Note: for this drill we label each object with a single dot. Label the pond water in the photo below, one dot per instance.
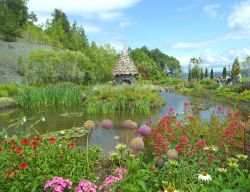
(74, 117)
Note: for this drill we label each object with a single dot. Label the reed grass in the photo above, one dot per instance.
(57, 95)
(134, 98)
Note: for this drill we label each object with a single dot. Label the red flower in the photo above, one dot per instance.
(1, 150)
(228, 133)
(190, 153)
(172, 137)
(201, 143)
(184, 141)
(170, 129)
(25, 141)
(19, 150)
(71, 145)
(52, 140)
(233, 124)
(13, 148)
(23, 166)
(37, 139)
(33, 144)
(179, 149)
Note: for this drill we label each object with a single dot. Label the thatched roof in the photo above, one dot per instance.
(125, 65)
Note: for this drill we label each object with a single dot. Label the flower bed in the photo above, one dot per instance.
(175, 154)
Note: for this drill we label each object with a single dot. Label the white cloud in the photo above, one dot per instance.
(110, 16)
(216, 61)
(212, 10)
(91, 28)
(78, 6)
(240, 17)
(103, 9)
(185, 8)
(125, 24)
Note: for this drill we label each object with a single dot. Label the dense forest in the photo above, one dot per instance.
(73, 57)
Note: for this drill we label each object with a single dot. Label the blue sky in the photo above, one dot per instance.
(215, 30)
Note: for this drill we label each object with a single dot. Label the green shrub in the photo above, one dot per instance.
(8, 90)
(245, 96)
(206, 81)
(54, 66)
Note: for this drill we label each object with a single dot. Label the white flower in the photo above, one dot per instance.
(62, 132)
(43, 119)
(116, 137)
(120, 146)
(204, 176)
(170, 189)
(24, 119)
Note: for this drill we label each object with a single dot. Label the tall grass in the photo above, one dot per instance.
(134, 98)
(57, 95)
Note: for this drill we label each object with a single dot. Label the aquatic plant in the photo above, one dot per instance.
(57, 95)
(133, 98)
(107, 124)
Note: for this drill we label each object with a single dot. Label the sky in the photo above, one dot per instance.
(215, 30)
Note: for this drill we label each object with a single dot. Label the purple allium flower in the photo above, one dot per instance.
(58, 184)
(107, 124)
(85, 186)
(129, 124)
(137, 144)
(144, 130)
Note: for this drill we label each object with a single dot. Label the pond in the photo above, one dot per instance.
(62, 119)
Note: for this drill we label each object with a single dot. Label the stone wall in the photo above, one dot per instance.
(129, 79)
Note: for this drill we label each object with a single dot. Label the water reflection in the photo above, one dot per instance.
(102, 137)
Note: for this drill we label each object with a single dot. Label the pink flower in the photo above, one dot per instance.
(171, 110)
(85, 186)
(58, 184)
(219, 109)
(186, 104)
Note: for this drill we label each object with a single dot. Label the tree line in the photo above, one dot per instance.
(195, 72)
(96, 62)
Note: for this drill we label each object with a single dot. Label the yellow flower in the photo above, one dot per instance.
(120, 146)
(173, 163)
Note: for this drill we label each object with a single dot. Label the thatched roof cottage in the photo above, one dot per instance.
(125, 70)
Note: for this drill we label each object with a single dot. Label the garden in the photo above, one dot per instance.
(175, 153)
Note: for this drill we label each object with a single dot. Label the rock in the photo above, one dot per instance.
(7, 102)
